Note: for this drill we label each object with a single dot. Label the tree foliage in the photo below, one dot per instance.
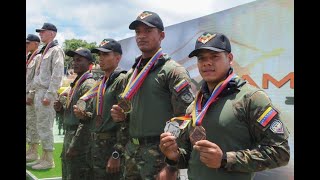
(73, 44)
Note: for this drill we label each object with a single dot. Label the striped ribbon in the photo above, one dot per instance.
(136, 79)
(198, 113)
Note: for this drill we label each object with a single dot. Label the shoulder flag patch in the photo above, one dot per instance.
(181, 85)
(266, 116)
(277, 127)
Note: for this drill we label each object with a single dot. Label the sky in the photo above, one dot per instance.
(95, 20)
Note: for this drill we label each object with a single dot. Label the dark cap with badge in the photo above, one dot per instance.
(32, 37)
(149, 18)
(47, 26)
(212, 41)
(84, 52)
(108, 45)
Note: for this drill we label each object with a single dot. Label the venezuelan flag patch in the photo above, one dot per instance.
(266, 116)
(181, 85)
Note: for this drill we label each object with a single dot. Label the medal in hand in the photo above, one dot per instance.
(173, 128)
(125, 105)
(197, 133)
(81, 104)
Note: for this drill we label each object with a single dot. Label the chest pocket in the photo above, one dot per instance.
(46, 63)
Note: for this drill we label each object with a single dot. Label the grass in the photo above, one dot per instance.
(49, 173)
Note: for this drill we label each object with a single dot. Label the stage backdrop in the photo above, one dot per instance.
(261, 35)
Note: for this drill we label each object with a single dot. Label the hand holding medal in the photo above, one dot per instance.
(79, 109)
(81, 104)
(125, 105)
(197, 133)
(173, 128)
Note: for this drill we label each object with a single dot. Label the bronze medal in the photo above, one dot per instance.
(125, 105)
(197, 133)
(81, 104)
(173, 128)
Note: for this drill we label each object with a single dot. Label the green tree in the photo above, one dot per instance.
(73, 44)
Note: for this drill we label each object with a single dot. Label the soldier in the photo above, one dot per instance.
(75, 144)
(47, 80)
(104, 158)
(32, 135)
(157, 89)
(233, 129)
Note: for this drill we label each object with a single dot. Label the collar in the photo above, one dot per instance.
(165, 57)
(234, 85)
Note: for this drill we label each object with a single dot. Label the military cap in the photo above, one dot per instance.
(217, 42)
(84, 52)
(47, 26)
(149, 18)
(32, 37)
(108, 45)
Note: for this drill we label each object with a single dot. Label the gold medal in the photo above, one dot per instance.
(81, 104)
(197, 133)
(125, 105)
(173, 128)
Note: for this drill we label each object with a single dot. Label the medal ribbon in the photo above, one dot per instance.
(185, 119)
(91, 93)
(198, 113)
(31, 58)
(100, 94)
(43, 53)
(65, 92)
(135, 80)
(83, 77)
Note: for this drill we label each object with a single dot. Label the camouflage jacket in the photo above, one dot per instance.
(239, 122)
(31, 68)
(165, 93)
(50, 72)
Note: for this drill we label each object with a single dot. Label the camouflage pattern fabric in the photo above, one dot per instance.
(143, 162)
(239, 123)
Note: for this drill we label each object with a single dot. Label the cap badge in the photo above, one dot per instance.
(104, 42)
(206, 37)
(144, 15)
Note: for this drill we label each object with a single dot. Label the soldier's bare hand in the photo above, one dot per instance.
(57, 106)
(46, 102)
(168, 146)
(71, 152)
(210, 153)
(78, 113)
(29, 101)
(117, 113)
(113, 165)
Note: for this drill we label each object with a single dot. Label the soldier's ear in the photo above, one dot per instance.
(230, 58)
(162, 35)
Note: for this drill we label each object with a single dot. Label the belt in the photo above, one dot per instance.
(101, 136)
(71, 128)
(145, 140)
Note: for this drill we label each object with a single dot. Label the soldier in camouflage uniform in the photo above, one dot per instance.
(75, 143)
(243, 131)
(32, 135)
(164, 93)
(104, 157)
(47, 80)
